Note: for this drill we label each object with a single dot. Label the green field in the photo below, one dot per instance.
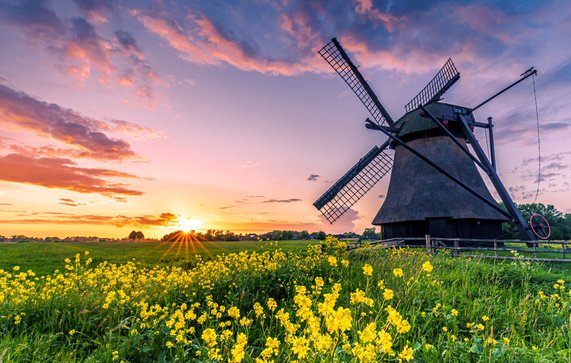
(45, 257)
(281, 302)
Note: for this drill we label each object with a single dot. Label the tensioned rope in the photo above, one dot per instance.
(538, 141)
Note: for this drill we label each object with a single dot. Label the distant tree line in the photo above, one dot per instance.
(276, 235)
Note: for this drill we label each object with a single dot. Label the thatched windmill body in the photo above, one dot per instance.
(435, 187)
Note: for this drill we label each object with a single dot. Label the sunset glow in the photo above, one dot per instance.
(120, 116)
(190, 224)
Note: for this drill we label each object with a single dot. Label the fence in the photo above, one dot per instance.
(546, 251)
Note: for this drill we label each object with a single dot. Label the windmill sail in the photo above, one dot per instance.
(441, 82)
(355, 183)
(334, 54)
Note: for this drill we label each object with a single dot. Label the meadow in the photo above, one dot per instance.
(283, 304)
(45, 257)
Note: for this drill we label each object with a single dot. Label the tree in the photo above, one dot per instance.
(321, 235)
(133, 235)
(139, 235)
(369, 233)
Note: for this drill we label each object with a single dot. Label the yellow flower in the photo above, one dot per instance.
(367, 270)
(427, 266)
(72, 332)
(369, 333)
(209, 336)
(115, 355)
(332, 262)
(444, 329)
(485, 318)
(454, 312)
(480, 327)
(234, 312)
(406, 354)
(169, 344)
(398, 272)
(272, 304)
(16, 268)
(345, 263)
(506, 341)
(388, 294)
(492, 341)
(428, 346)
(300, 346)
(453, 338)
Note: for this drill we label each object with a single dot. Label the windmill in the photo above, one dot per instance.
(435, 187)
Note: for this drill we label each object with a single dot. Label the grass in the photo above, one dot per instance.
(267, 304)
(45, 257)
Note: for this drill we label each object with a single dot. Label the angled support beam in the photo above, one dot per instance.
(530, 72)
(514, 213)
(492, 148)
(444, 172)
(465, 150)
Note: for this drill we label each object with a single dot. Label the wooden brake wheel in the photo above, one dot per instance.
(540, 226)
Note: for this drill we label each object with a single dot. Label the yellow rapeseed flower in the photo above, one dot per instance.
(398, 272)
(332, 262)
(406, 354)
(367, 270)
(388, 294)
(454, 312)
(427, 266)
(72, 332)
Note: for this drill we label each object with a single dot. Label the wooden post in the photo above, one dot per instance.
(427, 240)
(456, 250)
(564, 247)
(495, 246)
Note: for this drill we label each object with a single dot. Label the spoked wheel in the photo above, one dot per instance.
(540, 226)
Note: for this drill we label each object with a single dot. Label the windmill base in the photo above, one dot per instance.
(443, 228)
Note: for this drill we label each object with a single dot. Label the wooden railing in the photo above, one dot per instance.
(547, 251)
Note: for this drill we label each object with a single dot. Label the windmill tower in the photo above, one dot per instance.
(435, 187)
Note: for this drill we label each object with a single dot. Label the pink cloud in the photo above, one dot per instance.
(63, 174)
(80, 50)
(85, 135)
(208, 45)
(366, 8)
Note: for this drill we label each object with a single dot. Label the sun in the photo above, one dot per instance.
(189, 224)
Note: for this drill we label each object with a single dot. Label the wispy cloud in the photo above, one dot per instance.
(313, 177)
(63, 174)
(69, 202)
(291, 200)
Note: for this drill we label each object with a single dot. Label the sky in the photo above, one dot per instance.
(157, 115)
